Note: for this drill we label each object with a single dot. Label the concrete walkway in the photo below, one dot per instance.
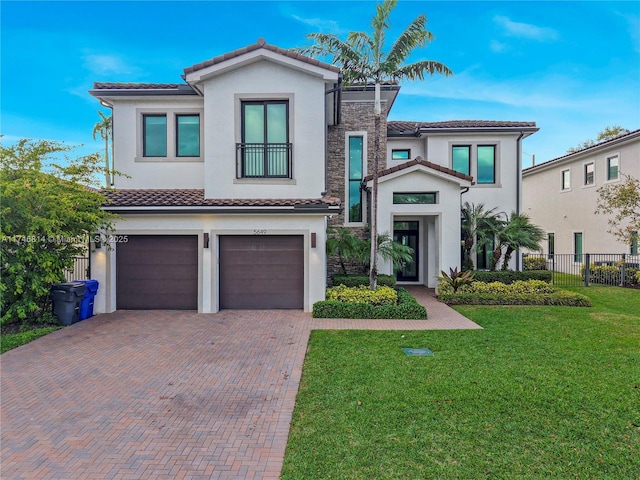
(165, 395)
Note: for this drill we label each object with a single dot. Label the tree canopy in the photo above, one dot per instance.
(621, 202)
(609, 133)
(48, 211)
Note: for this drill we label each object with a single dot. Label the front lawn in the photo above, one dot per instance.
(540, 392)
(9, 341)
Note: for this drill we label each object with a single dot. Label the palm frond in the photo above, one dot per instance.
(418, 70)
(414, 36)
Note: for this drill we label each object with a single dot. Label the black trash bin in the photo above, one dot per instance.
(67, 298)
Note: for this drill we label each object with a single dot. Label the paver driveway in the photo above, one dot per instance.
(135, 395)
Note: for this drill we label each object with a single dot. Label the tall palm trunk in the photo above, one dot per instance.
(373, 265)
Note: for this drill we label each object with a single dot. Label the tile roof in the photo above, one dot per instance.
(256, 46)
(420, 161)
(604, 143)
(195, 198)
(404, 127)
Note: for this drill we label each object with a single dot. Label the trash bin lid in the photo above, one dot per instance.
(77, 288)
(91, 285)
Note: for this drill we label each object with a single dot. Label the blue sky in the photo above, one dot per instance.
(572, 67)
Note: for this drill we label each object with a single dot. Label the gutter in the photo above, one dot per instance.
(518, 185)
(304, 209)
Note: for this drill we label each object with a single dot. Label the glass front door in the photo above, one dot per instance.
(406, 233)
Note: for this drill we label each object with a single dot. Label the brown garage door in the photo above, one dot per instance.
(259, 272)
(157, 272)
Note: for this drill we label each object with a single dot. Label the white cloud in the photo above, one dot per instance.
(633, 23)
(101, 64)
(498, 47)
(320, 24)
(525, 30)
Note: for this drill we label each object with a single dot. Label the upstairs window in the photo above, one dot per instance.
(486, 164)
(265, 151)
(612, 168)
(154, 135)
(188, 135)
(461, 155)
(355, 176)
(589, 173)
(566, 180)
(401, 154)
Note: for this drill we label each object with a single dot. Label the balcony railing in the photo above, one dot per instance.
(263, 160)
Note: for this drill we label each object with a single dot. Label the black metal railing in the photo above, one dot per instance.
(587, 268)
(80, 271)
(263, 160)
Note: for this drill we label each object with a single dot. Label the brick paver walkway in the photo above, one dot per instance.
(175, 395)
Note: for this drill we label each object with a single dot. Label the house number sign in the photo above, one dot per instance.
(259, 232)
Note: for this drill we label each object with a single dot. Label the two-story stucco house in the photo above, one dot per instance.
(233, 177)
(561, 196)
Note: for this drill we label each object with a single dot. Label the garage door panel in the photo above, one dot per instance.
(157, 272)
(261, 271)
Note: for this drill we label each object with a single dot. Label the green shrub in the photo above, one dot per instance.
(611, 274)
(456, 279)
(558, 298)
(534, 263)
(510, 276)
(530, 292)
(407, 308)
(363, 294)
(357, 280)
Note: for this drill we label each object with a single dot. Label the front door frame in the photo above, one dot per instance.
(415, 232)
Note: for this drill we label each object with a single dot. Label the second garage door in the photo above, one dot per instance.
(157, 272)
(261, 272)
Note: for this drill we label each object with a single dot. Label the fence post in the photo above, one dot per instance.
(622, 269)
(587, 269)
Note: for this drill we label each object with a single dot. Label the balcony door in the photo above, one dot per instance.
(265, 148)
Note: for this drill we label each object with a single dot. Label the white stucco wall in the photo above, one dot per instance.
(141, 172)
(565, 212)
(264, 80)
(440, 223)
(104, 261)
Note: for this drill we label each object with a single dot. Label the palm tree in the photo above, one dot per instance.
(105, 129)
(479, 227)
(388, 249)
(518, 232)
(363, 59)
(343, 243)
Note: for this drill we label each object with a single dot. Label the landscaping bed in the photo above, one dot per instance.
(519, 292)
(405, 307)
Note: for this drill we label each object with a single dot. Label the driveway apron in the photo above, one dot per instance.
(157, 394)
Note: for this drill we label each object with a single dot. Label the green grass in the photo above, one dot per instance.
(9, 341)
(539, 393)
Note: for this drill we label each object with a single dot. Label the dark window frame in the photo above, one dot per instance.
(562, 179)
(177, 134)
(577, 255)
(401, 150)
(241, 148)
(398, 194)
(468, 147)
(353, 181)
(617, 167)
(551, 244)
(589, 176)
(144, 134)
(495, 150)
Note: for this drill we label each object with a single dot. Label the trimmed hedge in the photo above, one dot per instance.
(357, 280)
(406, 309)
(530, 292)
(612, 275)
(510, 276)
(363, 294)
(561, 297)
(534, 263)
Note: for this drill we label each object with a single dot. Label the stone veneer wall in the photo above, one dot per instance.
(356, 116)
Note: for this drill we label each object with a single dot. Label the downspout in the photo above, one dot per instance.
(518, 182)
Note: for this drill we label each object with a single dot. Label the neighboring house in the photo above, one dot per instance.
(234, 176)
(561, 196)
